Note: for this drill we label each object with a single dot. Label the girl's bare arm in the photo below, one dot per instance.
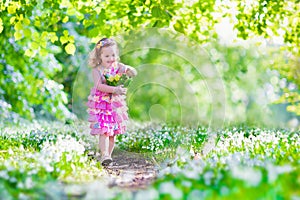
(98, 83)
(130, 71)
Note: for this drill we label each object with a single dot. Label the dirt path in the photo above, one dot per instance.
(130, 170)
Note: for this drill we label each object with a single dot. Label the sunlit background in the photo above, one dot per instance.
(254, 53)
(214, 111)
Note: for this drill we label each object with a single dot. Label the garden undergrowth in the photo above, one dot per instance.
(245, 162)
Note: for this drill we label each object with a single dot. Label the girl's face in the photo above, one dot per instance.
(108, 56)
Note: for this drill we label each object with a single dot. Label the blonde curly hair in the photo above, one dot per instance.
(95, 55)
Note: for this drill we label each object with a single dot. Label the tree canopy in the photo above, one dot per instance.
(41, 39)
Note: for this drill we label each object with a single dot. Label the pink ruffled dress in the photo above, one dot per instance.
(107, 111)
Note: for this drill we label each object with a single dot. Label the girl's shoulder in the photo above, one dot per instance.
(95, 70)
(98, 71)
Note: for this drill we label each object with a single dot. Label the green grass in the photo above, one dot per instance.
(244, 163)
(34, 156)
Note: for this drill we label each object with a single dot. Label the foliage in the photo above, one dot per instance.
(289, 70)
(27, 86)
(243, 160)
(40, 32)
(277, 21)
(39, 161)
(162, 140)
(36, 157)
(51, 41)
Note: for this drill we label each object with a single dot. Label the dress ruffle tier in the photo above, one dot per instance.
(107, 113)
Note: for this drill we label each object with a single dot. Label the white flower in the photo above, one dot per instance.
(247, 174)
(147, 194)
(49, 168)
(4, 175)
(208, 177)
(169, 188)
(274, 171)
(29, 183)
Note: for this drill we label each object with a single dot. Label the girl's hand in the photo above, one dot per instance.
(131, 72)
(120, 90)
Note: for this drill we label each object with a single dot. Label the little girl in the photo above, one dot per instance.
(106, 104)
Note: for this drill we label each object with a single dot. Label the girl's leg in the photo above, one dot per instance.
(111, 145)
(104, 145)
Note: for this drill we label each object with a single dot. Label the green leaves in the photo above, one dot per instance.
(1, 25)
(12, 8)
(65, 19)
(38, 29)
(29, 53)
(70, 48)
(53, 37)
(178, 26)
(156, 11)
(243, 159)
(66, 38)
(33, 157)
